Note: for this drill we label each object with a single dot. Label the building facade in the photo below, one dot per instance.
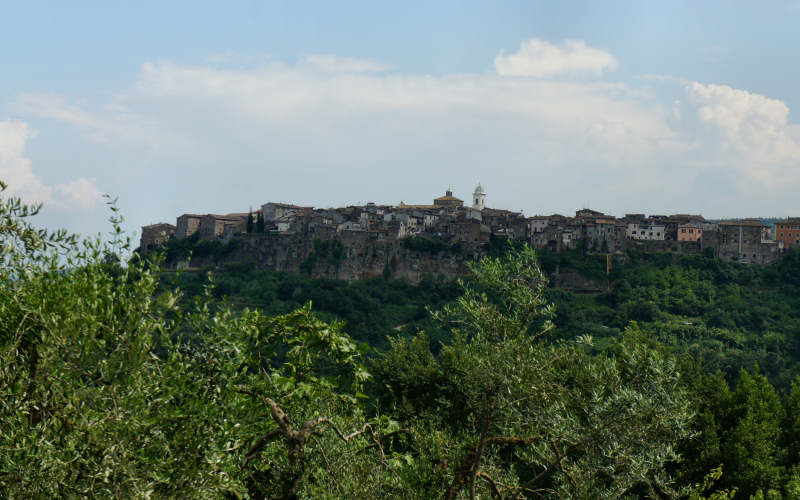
(788, 232)
(690, 232)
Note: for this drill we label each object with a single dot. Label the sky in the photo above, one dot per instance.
(200, 107)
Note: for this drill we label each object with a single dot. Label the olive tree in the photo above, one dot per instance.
(519, 417)
(109, 390)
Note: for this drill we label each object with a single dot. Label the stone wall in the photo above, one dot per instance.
(674, 246)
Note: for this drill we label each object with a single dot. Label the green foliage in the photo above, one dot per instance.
(117, 381)
(728, 316)
(516, 416)
(591, 266)
(183, 249)
(429, 244)
(706, 486)
(371, 309)
(259, 223)
(109, 390)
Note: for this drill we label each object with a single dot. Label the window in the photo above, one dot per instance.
(683, 230)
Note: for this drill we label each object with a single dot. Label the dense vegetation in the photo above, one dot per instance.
(726, 323)
(119, 382)
(372, 310)
(727, 316)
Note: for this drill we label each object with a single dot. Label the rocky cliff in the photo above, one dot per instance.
(348, 255)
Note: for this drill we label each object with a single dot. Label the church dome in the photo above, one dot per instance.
(479, 189)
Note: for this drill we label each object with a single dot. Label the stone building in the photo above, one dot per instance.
(213, 226)
(156, 235)
(743, 241)
(186, 225)
(600, 234)
(470, 231)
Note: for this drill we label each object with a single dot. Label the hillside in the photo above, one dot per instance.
(728, 316)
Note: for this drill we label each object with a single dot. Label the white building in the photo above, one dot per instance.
(645, 231)
(537, 223)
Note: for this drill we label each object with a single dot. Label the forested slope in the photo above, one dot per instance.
(735, 330)
(727, 316)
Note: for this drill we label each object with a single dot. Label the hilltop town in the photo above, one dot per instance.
(410, 240)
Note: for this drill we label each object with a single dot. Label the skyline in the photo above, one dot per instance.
(187, 108)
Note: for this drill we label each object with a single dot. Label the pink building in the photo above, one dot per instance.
(690, 232)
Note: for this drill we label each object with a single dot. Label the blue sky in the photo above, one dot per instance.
(216, 107)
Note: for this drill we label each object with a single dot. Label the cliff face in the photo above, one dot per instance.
(348, 255)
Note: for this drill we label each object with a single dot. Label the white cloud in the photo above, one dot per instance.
(540, 59)
(337, 64)
(754, 129)
(15, 167)
(294, 98)
(115, 124)
(81, 192)
(17, 172)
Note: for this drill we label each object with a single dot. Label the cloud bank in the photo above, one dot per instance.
(334, 130)
(16, 171)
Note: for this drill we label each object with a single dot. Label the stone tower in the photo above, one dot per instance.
(479, 198)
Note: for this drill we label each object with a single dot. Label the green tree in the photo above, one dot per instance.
(752, 451)
(108, 390)
(260, 223)
(250, 222)
(518, 417)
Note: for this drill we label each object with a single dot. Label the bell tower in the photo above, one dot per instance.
(479, 198)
